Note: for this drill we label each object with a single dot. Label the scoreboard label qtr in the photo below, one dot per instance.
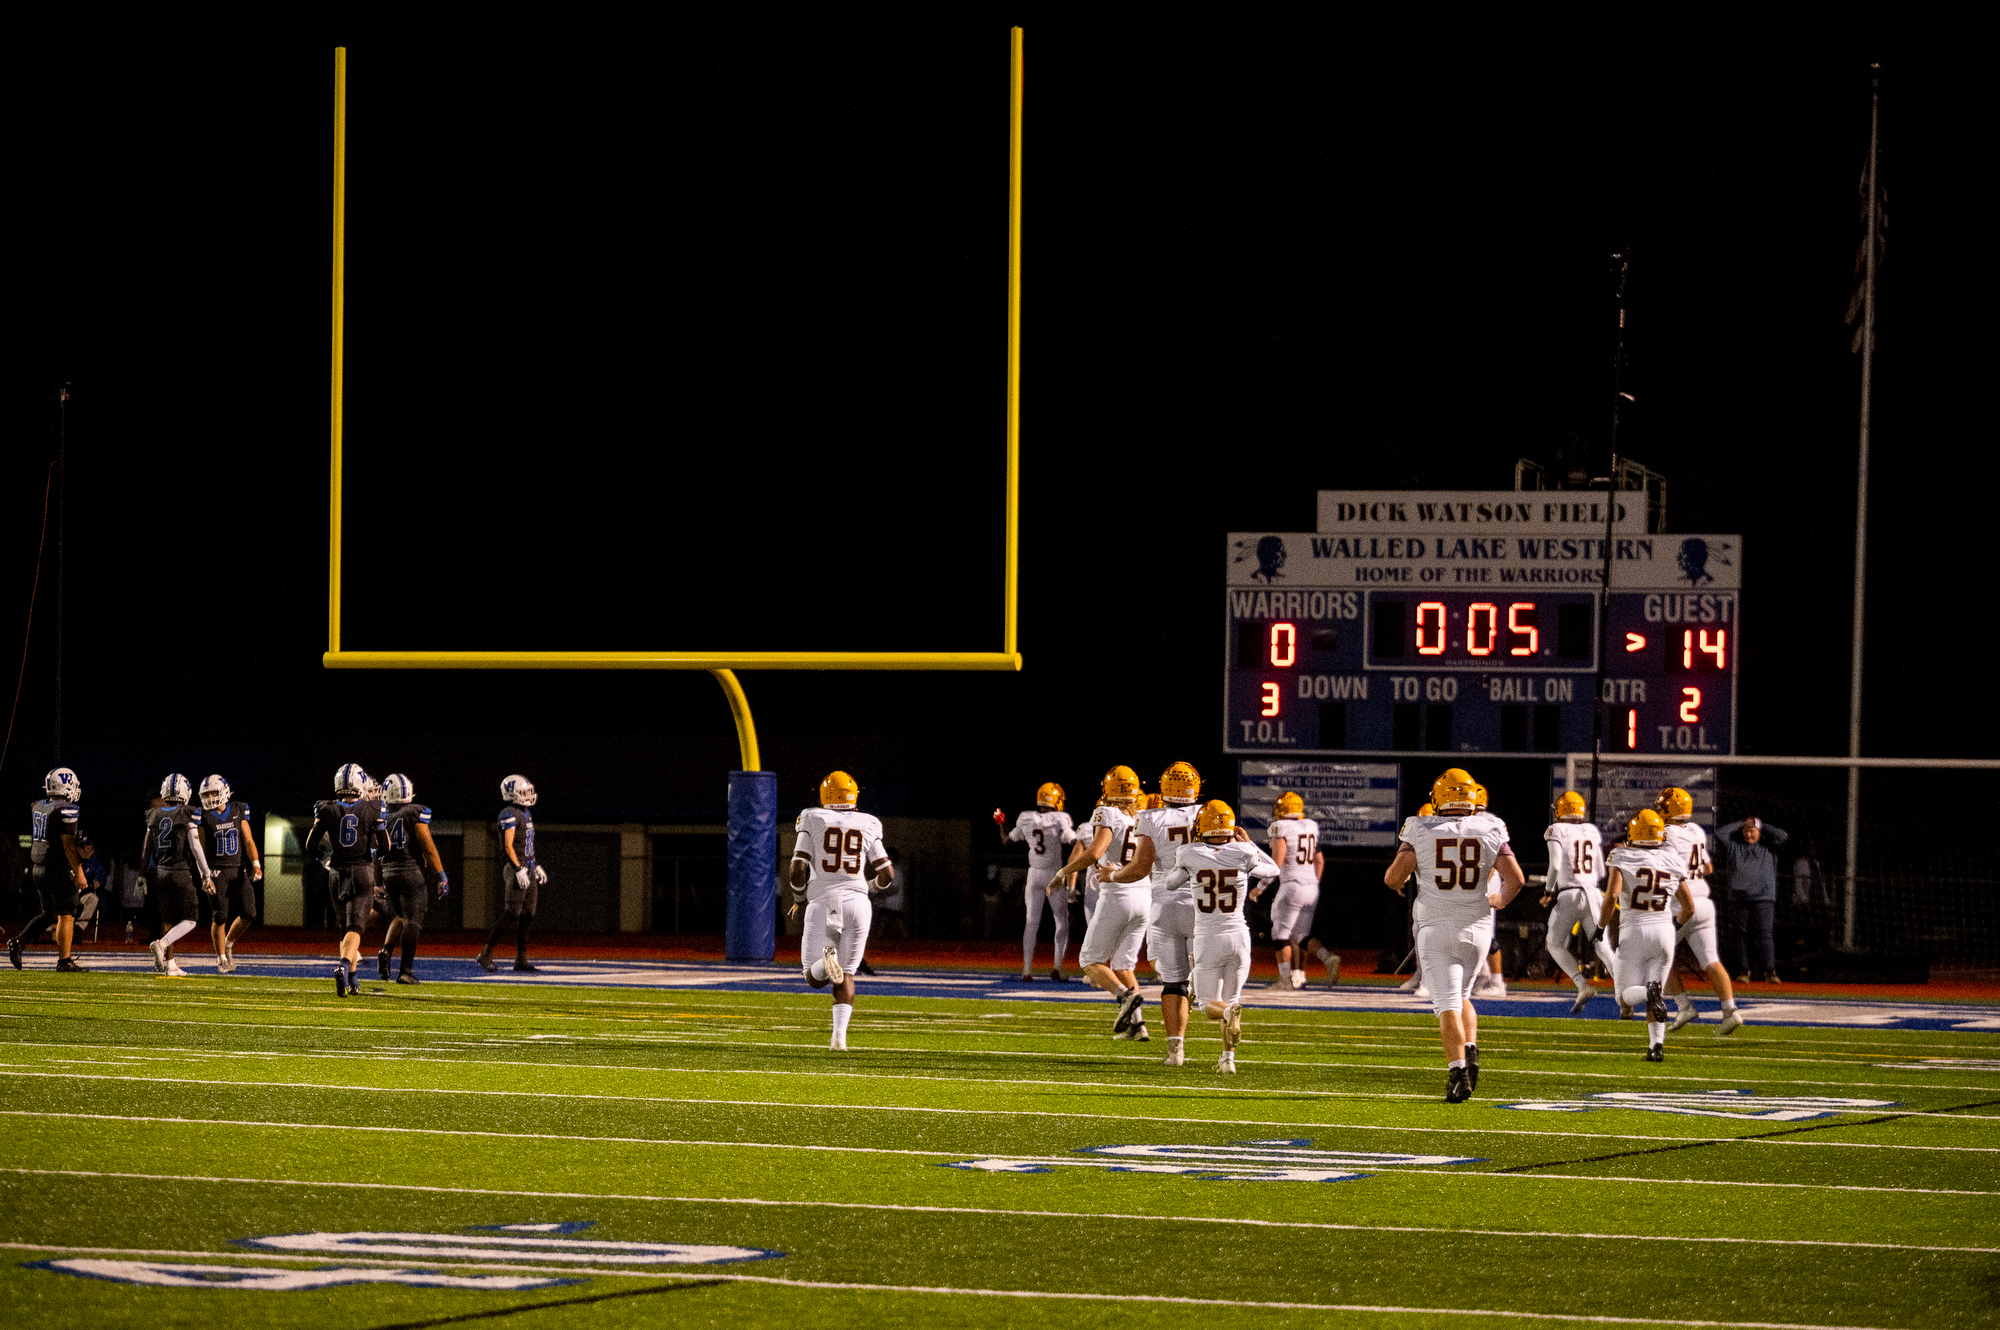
(1440, 643)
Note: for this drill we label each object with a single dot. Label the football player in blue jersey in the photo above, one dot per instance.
(228, 842)
(351, 826)
(409, 871)
(54, 874)
(523, 877)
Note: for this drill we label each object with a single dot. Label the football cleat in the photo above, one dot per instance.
(63, 784)
(1457, 1087)
(1128, 1007)
(834, 974)
(1656, 1005)
(68, 965)
(1058, 977)
(518, 790)
(175, 789)
(159, 951)
(1180, 783)
(1139, 1034)
(1216, 822)
(837, 1044)
(1675, 804)
(1646, 828)
(485, 962)
(229, 954)
(174, 970)
(1686, 1015)
(353, 983)
(1731, 1020)
(522, 967)
(1226, 1064)
(1569, 806)
(1333, 970)
(350, 782)
(14, 952)
(1050, 795)
(1232, 1026)
(1472, 1066)
(215, 793)
(1657, 1053)
(1624, 1010)
(382, 964)
(1121, 786)
(1290, 805)
(1176, 1054)
(397, 788)
(1455, 792)
(1298, 979)
(1412, 984)
(1583, 995)
(405, 977)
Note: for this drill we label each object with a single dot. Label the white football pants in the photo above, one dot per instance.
(1450, 957)
(1117, 927)
(1169, 933)
(1644, 954)
(1578, 905)
(1292, 912)
(1699, 934)
(1038, 894)
(839, 920)
(1221, 965)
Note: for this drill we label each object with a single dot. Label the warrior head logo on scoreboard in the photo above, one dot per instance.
(1270, 552)
(1694, 556)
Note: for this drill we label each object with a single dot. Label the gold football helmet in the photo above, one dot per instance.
(1569, 804)
(1180, 783)
(1216, 822)
(1479, 796)
(1121, 786)
(1646, 828)
(1428, 810)
(838, 791)
(1290, 805)
(1455, 792)
(1675, 804)
(1049, 796)
(1151, 801)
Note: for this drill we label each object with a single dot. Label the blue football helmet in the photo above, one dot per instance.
(396, 788)
(63, 784)
(175, 789)
(518, 790)
(350, 782)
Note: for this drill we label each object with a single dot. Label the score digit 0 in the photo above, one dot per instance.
(1284, 650)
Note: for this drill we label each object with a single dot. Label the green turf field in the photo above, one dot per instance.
(152, 1125)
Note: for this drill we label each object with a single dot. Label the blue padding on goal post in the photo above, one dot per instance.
(752, 931)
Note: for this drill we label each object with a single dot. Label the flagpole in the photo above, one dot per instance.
(1602, 711)
(1872, 240)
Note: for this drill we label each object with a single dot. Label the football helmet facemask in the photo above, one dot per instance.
(397, 789)
(215, 793)
(839, 790)
(63, 784)
(1180, 783)
(518, 790)
(175, 789)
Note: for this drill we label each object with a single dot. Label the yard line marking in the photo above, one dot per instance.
(178, 1178)
(1265, 1092)
(1338, 1126)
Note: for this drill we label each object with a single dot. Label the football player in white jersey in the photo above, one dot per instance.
(1648, 882)
(1453, 852)
(1158, 833)
(1047, 831)
(838, 853)
(1686, 838)
(1294, 841)
(1110, 951)
(1216, 870)
(1576, 861)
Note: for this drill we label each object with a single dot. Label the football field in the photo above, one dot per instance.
(255, 1150)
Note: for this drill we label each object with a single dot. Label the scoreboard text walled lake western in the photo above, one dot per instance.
(1479, 640)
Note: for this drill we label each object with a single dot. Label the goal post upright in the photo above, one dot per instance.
(752, 791)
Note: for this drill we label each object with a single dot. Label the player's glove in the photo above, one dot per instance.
(540, 875)
(521, 878)
(444, 885)
(999, 819)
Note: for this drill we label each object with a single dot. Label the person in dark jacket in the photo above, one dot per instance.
(1745, 860)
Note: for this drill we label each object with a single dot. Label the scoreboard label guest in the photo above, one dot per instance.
(1470, 641)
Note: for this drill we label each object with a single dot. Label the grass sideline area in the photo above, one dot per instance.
(618, 1157)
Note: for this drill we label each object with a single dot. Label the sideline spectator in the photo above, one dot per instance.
(1744, 860)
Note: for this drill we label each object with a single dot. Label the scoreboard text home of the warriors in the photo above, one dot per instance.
(1467, 622)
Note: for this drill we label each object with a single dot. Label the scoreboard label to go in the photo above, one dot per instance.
(1489, 648)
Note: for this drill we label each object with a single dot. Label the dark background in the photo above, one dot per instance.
(696, 339)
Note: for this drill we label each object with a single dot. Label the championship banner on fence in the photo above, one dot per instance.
(1623, 789)
(1355, 803)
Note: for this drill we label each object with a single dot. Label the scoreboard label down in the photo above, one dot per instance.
(1420, 644)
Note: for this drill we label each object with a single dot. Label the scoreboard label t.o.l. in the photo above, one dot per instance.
(1429, 641)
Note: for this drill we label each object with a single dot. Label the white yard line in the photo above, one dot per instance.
(1092, 1216)
(777, 1145)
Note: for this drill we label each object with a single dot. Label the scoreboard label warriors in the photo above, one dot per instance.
(1425, 640)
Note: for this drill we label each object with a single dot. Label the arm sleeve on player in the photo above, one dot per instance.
(194, 853)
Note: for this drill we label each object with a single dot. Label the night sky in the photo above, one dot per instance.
(697, 340)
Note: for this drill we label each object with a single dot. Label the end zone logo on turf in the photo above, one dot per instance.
(1241, 1161)
(519, 1245)
(1742, 1104)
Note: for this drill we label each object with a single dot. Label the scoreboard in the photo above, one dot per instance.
(1417, 640)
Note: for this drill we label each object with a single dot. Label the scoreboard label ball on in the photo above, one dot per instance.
(1414, 629)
